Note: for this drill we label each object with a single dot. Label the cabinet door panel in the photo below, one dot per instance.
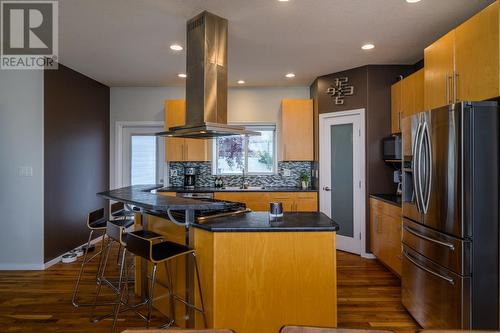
(175, 113)
(395, 107)
(476, 56)
(197, 150)
(418, 89)
(407, 96)
(374, 230)
(296, 130)
(439, 67)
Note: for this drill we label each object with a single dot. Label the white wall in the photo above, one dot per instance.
(21, 144)
(146, 104)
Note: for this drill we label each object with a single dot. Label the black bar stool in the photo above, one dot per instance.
(96, 222)
(116, 230)
(155, 249)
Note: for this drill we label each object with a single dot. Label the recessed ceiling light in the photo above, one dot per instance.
(182, 75)
(176, 47)
(283, 0)
(290, 75)
(368, 46)
(241, 82)
(412, 1)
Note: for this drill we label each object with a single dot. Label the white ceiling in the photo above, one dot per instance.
(126, 42)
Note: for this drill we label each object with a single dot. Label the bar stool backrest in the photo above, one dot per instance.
(139, 246)
(116, 207)
(299, 329)
(96, 217)
(116, 232)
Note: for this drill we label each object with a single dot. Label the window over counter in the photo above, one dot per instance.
(256, 155)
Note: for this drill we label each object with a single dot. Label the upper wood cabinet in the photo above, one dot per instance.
(464, 64)
(407, 98)
(180, 149)
(439, 60)
(476, 56)
(396, 101)
(412, 93)
(296, 130)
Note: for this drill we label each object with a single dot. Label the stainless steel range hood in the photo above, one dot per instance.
(206, 82)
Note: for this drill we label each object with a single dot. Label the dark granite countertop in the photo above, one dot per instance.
(141, 196)
(259, 222)
(392, 199)
(231, 189)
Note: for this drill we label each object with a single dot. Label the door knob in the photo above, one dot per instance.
(326, 188)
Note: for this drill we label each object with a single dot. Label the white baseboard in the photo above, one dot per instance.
(368, 256)
(39, 267)
(21, 267)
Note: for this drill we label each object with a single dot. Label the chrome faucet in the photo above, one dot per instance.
(244, 182)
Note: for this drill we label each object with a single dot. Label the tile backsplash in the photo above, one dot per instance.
(205, 178)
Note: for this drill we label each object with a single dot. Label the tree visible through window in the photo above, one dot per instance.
(254, 154)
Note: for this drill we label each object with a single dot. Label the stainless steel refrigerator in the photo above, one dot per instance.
(450, 275)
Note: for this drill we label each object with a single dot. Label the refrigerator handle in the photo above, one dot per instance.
(420, 146)
(428, 152)
(414, 262)
(416, 163)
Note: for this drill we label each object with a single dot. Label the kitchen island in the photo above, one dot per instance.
(256, 276)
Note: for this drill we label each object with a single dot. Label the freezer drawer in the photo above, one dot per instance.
(436, 297)
(450, 252)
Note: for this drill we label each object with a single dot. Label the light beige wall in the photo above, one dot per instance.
(260, 105)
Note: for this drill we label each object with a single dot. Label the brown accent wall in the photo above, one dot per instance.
(76, 156)
(372, 92)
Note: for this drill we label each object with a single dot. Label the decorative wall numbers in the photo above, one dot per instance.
(340, 89)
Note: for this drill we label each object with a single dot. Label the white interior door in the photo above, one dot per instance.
(342, 176)
(143, 156)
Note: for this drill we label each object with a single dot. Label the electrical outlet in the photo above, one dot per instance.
(173, 173)
(287, 172)
(25, 171)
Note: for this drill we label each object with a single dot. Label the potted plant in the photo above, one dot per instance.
(304, 180)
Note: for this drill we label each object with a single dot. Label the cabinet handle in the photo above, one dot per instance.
(399, 121)
(455, 87)
(449, 97)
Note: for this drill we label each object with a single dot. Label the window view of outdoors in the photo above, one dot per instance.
(254, 154)
(143, 160)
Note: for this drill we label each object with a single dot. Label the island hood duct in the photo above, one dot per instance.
(206, 82)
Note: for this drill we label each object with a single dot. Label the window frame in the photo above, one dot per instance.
(253, 127)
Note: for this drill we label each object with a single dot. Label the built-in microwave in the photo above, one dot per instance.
(392, 147)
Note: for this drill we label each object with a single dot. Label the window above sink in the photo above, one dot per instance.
(255, 155)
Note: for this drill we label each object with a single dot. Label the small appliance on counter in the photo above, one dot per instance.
(189, 178)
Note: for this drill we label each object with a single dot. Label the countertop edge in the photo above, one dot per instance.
(391, 202)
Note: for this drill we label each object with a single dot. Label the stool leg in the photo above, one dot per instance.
(120, 288)
(77, 285)
(101, 276)
(199, 289)
(151, 295)
(171, 295)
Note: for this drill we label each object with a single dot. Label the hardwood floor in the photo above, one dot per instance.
(369, 296)
(40, 301)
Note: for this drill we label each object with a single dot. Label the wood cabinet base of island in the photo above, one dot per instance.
(258, 281)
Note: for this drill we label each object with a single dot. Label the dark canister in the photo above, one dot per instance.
(275, 211)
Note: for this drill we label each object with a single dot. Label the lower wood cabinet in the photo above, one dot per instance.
(259, 201)
(385, 233)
